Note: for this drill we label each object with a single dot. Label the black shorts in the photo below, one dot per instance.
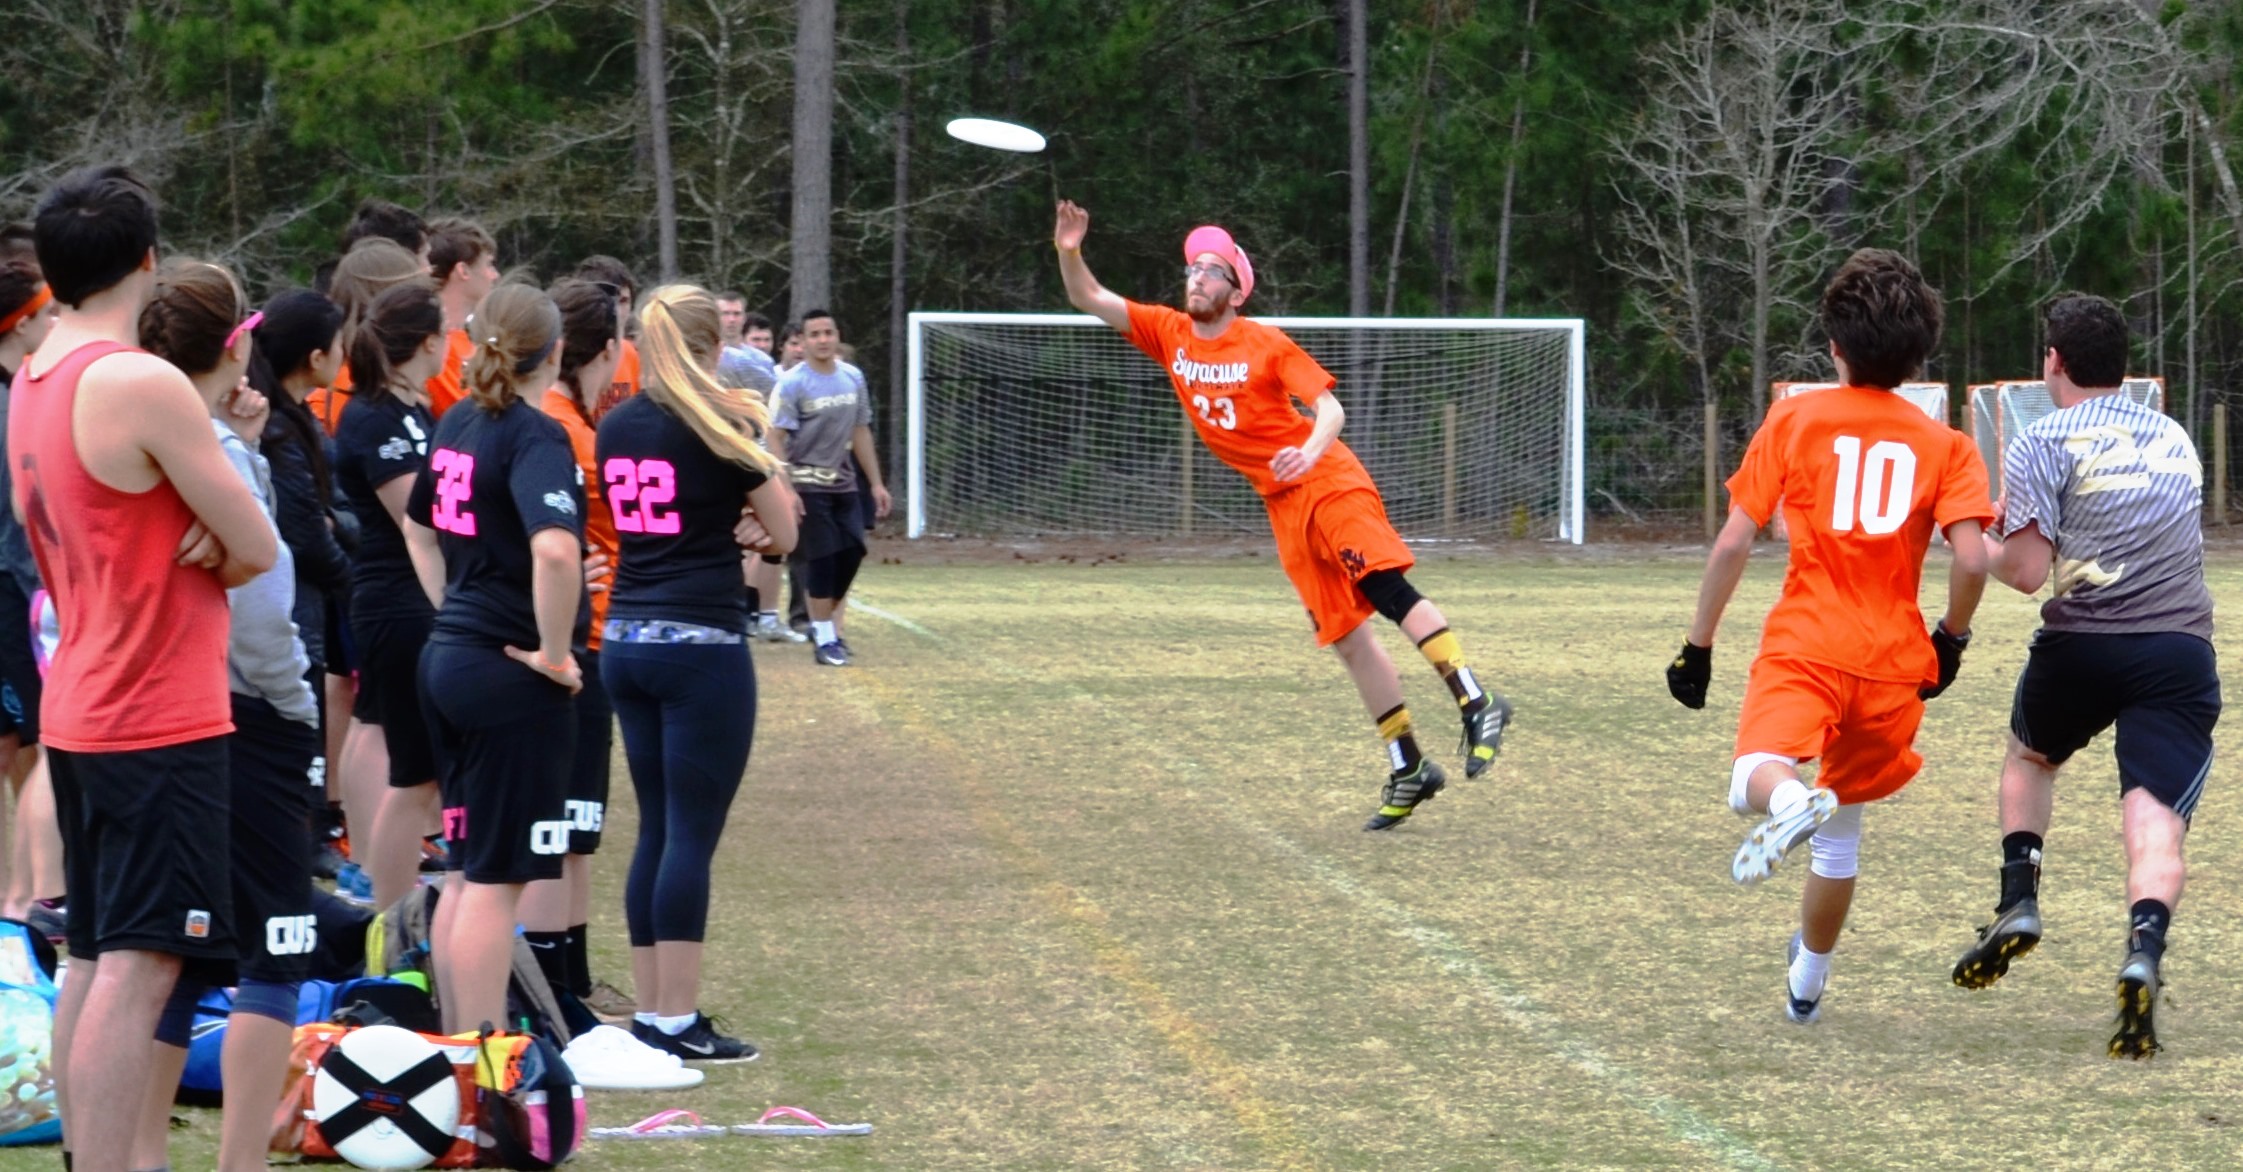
(2162, 690)
(271, 799)
(830, 525)
(145, 853)
(20, 681)
(342, 653)
(507, 738)
(595, 745)
(389, 694)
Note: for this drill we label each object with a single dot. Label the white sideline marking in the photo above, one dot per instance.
(1546, 1028)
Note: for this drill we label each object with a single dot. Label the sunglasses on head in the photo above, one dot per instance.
(247, 324)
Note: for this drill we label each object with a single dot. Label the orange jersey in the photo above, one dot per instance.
(1862, 476)
(445, 386)
(625, 383)
(599, 523)
(327, 403)
(1238, 391)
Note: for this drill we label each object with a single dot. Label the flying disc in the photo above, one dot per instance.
(1003, 136)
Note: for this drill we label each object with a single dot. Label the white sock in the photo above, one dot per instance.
(644, 1017)
(1810, 972)
(1791, 794)
(769, 618)
(674, 1026)
(823, 633)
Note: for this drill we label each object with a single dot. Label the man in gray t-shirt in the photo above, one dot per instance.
(821, 415)
(2109, 494)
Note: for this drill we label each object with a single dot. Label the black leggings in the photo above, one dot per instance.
(687, 712)
(829, 577)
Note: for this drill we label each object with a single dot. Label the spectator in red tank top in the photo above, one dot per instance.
(136, 709)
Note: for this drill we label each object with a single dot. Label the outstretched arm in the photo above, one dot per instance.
(1083, 290)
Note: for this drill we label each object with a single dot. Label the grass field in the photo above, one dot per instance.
(1067, 873)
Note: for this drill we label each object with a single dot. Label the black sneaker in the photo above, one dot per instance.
(1403, 793)
(1483, 734)
(2138, 986)
(831, 654)
(699, 1043)
(2012, 934)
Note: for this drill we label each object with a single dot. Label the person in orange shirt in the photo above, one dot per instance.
(608, 271)
(464, 260)
(1238, 381)
(1862, 478)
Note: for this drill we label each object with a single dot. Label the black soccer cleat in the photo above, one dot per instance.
(2012, 934)
(1403, 793)
(1483, 734)
(2138, 986)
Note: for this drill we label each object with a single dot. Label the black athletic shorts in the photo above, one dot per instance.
(272, 795)
(20, 682)
(389, 694)
(342, 652)
(595, 744)
(507, 738)
(145, 853)
(830, 525)
(2161, 689)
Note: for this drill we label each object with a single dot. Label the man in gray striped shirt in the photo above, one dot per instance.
(2108, 494)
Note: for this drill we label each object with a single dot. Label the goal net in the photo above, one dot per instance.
(2000, 412)
(1053, 424)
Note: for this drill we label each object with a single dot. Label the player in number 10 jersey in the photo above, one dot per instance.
(1862, 477)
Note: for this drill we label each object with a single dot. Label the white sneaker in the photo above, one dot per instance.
(608, 1058)
(1770, 841)
(772, 630)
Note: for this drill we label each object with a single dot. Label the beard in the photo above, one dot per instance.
(1204, 310)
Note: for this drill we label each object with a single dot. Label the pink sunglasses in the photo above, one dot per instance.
(249, 323)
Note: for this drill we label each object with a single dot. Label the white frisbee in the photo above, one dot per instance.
(1003, 136)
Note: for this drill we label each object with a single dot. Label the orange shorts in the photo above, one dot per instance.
(1863, 730)
(1329, 535)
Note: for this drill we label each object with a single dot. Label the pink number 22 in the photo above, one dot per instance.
(455, 484)
(636, 490)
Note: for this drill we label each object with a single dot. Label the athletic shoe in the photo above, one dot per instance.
(2138, 986)
(610, 1004)
(768, 629)
(831, 654)
(605, 1058)
(1770, 841)
(2012, 934)
(1798, 1008)
(50, 918)
(847, 650)
(328, 859)
(700, 1042)
(1483, 734)
(352, 884)
(1404, 791)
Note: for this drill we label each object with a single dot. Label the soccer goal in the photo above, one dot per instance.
(1053, 424)
(2000, 412)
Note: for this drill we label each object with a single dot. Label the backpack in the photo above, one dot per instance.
(529, 1106)
(398, 941)
(518, 1104)
(199, 1081)
(27, 1016)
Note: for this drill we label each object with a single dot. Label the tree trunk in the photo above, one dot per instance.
(1511, 172)
(899, 305)
(812, 242)
(655, 64)
(1358, 159)
(1409, 179)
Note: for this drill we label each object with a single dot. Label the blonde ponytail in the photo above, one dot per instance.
(679, 326)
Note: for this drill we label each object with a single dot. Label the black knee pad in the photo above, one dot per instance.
(1390, 593)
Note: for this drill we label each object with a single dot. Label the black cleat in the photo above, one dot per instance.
(831, 654)
(2137, 997)
(1483, 734)
(1403, 793)
(2012, 934)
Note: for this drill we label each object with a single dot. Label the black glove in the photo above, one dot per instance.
(1689, 674)
(1949, 648)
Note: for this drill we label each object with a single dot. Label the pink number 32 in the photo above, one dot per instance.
(636, 490)
(455, 484)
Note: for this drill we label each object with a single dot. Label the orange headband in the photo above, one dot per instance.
(39, 300)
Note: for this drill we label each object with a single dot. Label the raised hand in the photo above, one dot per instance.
(1073, 224)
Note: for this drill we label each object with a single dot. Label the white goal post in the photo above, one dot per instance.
(1053, 424)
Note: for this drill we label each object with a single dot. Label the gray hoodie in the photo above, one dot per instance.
(265, 658)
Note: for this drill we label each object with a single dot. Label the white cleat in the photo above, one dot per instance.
(1770, 841)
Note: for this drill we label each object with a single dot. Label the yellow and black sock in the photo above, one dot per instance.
(1442, 650)
(1401, 747)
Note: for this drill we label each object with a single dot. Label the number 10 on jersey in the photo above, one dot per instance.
(1876, 490)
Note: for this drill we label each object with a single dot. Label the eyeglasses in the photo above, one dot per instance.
(247, 324)
(1208, 270)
